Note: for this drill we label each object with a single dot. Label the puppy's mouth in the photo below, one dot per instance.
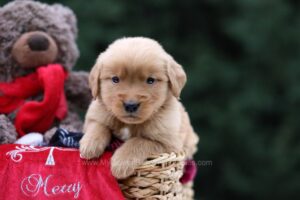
(131, 116)
(131, 119)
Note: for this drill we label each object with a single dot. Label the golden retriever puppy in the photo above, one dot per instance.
(136, 86)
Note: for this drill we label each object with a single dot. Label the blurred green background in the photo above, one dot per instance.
(243, 93)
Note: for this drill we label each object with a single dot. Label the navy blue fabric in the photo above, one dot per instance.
(64, 138)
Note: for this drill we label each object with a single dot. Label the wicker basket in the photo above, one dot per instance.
(158, 178)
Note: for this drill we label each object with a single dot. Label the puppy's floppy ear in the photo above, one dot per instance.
(176, 76)
(94, 79)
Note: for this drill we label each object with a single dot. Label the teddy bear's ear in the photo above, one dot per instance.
(67, 15)
(177, 76)
(94, 78)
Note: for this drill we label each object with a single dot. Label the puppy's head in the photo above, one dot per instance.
(134, 77)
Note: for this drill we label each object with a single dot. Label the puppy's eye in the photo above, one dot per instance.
(150, 80)
(115, 79)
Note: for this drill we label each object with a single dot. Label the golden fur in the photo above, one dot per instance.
(160, 123)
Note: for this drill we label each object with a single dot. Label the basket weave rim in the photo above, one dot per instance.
(158, 178)
(161, 159)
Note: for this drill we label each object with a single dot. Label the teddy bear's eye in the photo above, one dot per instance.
(150, 80)
(42, 29)
(115, 79)
(23, 29)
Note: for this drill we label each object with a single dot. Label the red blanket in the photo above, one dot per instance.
(35, 116)
(43, 173)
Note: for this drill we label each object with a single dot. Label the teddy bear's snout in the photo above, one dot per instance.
(38, 42)
(34, 49)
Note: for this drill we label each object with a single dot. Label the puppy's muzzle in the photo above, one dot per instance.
(131, 106)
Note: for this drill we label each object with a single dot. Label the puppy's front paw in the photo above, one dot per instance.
(90, 148)
(122, 166)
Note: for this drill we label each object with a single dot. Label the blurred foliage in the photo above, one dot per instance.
(243, 94)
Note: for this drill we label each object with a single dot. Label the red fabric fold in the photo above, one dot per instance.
(43, 173)
(35, 116)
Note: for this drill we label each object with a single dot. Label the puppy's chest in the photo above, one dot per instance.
(123, 133)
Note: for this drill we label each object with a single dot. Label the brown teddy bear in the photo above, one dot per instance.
(38, 90)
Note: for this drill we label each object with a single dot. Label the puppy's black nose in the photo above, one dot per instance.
(38, 42)
(131, 107)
